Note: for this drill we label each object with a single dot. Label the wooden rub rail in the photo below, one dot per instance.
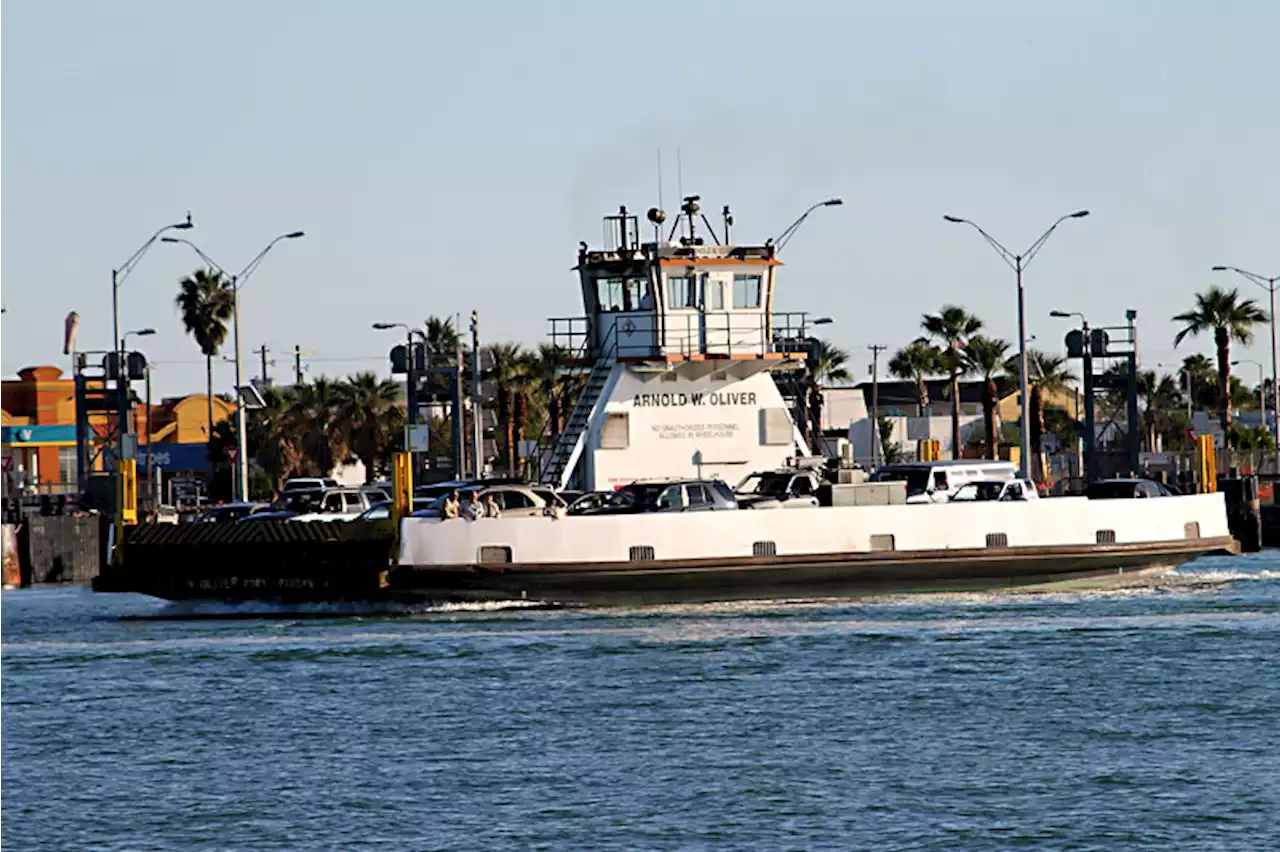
(281, 559)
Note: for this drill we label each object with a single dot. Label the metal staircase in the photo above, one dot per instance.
(564, 454)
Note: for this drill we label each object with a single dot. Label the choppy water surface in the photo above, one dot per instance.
(1142, 719)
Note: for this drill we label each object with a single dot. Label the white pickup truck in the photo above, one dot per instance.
(995, 490)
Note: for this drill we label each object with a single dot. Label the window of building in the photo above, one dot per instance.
(682, 291)
(67, 466)
(746, 291)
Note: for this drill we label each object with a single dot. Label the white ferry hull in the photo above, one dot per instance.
(815, 553)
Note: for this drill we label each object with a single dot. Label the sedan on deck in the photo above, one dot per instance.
(515, 501)
(685, 495)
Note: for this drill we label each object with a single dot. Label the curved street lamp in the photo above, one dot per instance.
(1018, 262)
(790, 232)
(118, 276)
(237, 281)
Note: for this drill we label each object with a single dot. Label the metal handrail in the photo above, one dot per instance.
(546, 438)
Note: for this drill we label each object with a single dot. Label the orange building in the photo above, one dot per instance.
(38, 424)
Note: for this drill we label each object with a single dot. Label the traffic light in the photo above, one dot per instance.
(399, 359)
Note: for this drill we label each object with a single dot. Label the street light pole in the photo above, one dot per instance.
(118, 276)
(876, 349)
(1018, 262)
(1262, 386)
(477, 407)
(237, 281)
(411, 373)
(1268, 284)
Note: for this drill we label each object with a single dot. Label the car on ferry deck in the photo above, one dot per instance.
(683, 495)
(514, 501)
(935, 482)
(228, 513)
(995, 490)
(779, 489)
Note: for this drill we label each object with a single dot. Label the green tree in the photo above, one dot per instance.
(917, 362)
(890, 450)
(363, 406)
(547, 373)
(1162, 407)
(1228, 317)
(315, 425)
(508, 374)
(272, 437)
(986, 357)
(442, 340)
(951, 328)
(207, 302)
(1046, 374)
(830, 366)
(1197, 373)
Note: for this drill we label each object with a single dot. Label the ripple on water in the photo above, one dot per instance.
(1137, 719)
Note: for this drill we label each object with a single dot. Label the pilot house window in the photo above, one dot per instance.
(682, 291)
(746, 291)
(624, 294)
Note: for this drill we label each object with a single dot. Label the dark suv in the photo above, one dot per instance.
(672, 495)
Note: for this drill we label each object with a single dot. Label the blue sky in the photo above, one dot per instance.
(449, 157)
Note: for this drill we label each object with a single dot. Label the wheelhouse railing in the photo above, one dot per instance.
(683, 333)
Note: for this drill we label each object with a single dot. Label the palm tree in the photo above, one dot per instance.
(507, 374)
(272, 438)
(524, 382)
(1046, 374)
(314, 422)
(1230, 318)
(951, 328)
(1162, 404)
(550, 384)
(207, 302)
(917, 362)
(986, 356)
(1197, 376)
(442, 339)
(363, 407)
(830, 366)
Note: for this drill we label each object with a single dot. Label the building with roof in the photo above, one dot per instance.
(38, 430)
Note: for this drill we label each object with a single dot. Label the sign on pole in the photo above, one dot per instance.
(418, 437)
(232, 452)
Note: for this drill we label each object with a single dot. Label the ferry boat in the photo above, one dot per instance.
(684, 362)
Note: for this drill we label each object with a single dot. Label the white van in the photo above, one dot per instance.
(935, 482)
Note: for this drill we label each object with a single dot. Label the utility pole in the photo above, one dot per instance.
(876, 349)
(477, 406)
(459, 441)
(297, 352)
(262, 351)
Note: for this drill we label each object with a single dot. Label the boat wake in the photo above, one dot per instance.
(215, 610)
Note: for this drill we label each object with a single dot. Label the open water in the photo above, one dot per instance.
(1140, 719)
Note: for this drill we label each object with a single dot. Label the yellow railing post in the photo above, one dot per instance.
(402, 485)
(127, 496)
(1207, 464)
